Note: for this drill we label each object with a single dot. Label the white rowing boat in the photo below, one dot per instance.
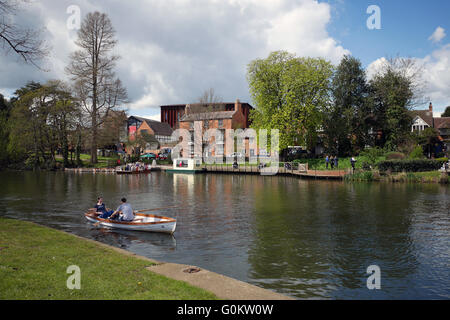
(141, 222)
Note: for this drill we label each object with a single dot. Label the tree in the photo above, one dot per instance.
(393, 92)
(5, 110)
(290, 94)
(91, 68)
(427, 139)
(25, 42)
(40, 122)
(346, 124)
(446, 112)
(209, 97)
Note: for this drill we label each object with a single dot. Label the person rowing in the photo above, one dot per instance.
(124, 212)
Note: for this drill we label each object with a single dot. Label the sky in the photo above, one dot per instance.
(173, 50)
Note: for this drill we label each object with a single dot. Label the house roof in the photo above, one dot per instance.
(425, 115)
(442, 123)
(159, 128)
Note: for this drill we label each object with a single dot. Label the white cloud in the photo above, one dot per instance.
(173, 50)
(437, 35)
(435, 73)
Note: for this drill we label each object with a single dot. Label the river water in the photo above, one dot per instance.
(303, 238)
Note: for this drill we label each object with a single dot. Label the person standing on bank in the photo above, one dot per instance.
(353, 162)
(327, 161)
(332, 162)
(124, 212)
(336, 162)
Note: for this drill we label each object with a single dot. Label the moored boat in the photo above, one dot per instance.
(141, 222)
(186, 165)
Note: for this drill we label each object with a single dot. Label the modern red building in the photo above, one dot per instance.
(172, 114)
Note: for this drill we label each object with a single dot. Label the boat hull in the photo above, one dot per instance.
(142, 222)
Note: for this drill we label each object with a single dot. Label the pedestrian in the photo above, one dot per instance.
(327, 160)
(336, 162)
(332, 162)
(353, 162)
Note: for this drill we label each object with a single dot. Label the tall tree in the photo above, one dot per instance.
(393, 92)
(290, 94)
(5, 110)
(346, 124)
(92, 70)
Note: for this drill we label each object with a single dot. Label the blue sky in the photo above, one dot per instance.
(406, 26)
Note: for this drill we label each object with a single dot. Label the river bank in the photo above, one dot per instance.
(35, 266)
(34, 262)
(345, 175)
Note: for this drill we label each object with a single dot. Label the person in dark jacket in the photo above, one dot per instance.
(100, 207)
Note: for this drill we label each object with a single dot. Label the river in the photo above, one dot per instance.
(303, 238)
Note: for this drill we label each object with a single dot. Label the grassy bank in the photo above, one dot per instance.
(415, 177)
(34, 261)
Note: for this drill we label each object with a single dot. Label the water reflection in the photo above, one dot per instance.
(307, 239)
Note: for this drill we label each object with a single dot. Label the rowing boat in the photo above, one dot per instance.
(141, 222)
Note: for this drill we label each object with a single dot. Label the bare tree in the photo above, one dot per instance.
(91, 68)
(26, 42)
(209, 97)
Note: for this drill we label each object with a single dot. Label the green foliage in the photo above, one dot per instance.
(290, 94)
(371, 155)
(446, 112)
(391, 94)
(410, 165)
(417, 153)
(345, 121)
(395, 155)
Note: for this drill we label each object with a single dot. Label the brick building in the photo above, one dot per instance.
(221, 120)
(161, 131)
(172, 114)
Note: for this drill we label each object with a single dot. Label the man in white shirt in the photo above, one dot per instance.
(124, 211)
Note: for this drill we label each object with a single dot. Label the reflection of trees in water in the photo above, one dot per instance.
(313, 238)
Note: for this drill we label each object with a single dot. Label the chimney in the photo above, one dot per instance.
(430, 108)
(237, 106)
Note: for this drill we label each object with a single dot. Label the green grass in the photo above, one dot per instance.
(103, 162)
(34, 261)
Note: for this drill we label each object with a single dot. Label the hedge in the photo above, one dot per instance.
(410, 165)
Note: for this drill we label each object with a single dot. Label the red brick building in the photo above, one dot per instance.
(172, 114)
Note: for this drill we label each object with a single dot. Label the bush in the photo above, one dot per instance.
(410, 165)
(395, 156)
(417, 153)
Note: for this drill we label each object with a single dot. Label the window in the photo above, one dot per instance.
(220, 123)
(182, 164)
(206, 124)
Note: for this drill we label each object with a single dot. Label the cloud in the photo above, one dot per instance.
(173, 50)
(434, 68)
(437, 35)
